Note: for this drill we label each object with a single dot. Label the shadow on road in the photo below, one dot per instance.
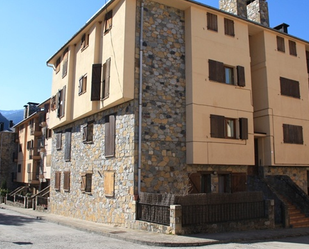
(14, 220)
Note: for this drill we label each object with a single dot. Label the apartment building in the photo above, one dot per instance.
(33, 139)
(174, 97)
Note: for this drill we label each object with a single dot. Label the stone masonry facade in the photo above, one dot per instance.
(164, 103)
(7, 164)
(96, 205)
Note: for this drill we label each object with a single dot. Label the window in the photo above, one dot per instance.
(289, 87)
(229, 27)
(58, 141)
(280, 44)
(225, 74)
(60, 98)
(212, 22)
(200, 183)
(108, 21)
(30, 145)
(67, 149)
(86, 182)
(230, 128)
(229, 75)
(110, 136)
(57, 65)
(222, 127)
(53, 105)
(292, 134)
(82, 84)
(85, 41)
(106, 79)
(292, 46)
(66, 181)
(87, 132)
(65, 63)
(57, 180)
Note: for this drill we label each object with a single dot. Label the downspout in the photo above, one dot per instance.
(140, 100)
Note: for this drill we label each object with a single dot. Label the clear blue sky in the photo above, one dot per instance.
(33, 30)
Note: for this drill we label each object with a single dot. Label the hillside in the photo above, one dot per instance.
(15, 115)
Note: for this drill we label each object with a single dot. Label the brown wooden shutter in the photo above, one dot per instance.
(212, 22)
(66, 181)
(65, 63)
(217, 126)
(109, 183)
(229, 27)
(110, 136)
(84, 132)
(238, 183)
(216, 71)
(280, 44)
(57, 180)
(292, 46)
(88, 182)
(241, 79)
(80, 85)
(307, 59)
(286, 133)
(195, 183)
(298, 135)
(58, 103)
(67, 150)
(292, 134)
(58, 141)
(96, 82)
(243, 126)
(289, 87)
(108, 21)
(83, 182)
(106, 78)
(63, 101)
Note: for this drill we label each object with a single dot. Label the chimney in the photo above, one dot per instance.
(25, 111)
(236, 7)
(258, 11)
(282, 27)
(1, 126)
(254, 10)
(11, 123)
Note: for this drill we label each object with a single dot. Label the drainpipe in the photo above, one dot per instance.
(140, 100)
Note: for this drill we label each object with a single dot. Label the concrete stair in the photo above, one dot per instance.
(297, 218)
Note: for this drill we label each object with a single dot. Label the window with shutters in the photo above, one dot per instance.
(67, 147)
(106, 79)
(58, 141)
(85, 41)
(222, 127)
(199, 183)
(82, 84)
(57, 180)
(110, 136)
(61, 102)
(289, 87)
(292, 134)
(292, 46)
(108, 21)
(53, 105)
(212, 22)
(222, 73)
(87, 132)
(280, 44)
(66, 181)
(86, 182)
(65, 63)
(229, 27)
(57, 65)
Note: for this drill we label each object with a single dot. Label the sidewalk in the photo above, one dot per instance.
(155, 239)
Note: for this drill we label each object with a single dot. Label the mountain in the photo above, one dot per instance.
(15, 115)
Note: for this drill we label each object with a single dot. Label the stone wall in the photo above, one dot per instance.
(164, 103)
(8, 147)
(297, 174)
(97, 206)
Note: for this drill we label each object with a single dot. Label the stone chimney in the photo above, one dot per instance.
(254, 10)
(257, 11)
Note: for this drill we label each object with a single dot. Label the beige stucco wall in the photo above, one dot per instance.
(117, 44)
(203, 94)
(272, 109)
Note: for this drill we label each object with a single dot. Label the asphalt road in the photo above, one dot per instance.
(21, 231)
